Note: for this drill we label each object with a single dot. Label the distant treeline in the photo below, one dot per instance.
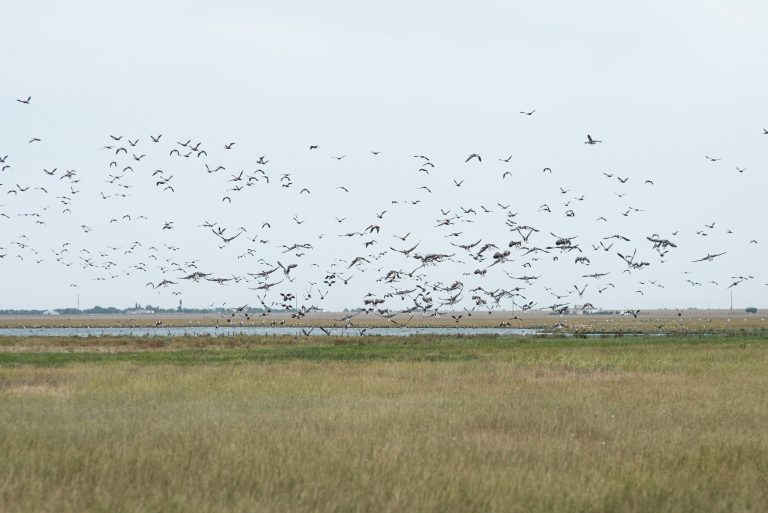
(127, 311)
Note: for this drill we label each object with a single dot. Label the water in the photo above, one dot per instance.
(201, 331)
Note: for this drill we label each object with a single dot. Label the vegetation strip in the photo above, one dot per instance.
(55, 351)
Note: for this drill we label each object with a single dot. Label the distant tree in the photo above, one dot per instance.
(21, 312)
(751, 310)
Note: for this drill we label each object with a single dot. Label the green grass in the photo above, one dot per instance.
(57, 351)
(428, 424)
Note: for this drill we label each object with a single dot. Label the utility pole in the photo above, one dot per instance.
(731, 299)
(78, 301)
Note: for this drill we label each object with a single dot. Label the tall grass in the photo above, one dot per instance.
(634, 427)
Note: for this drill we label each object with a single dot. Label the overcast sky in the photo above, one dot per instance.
(661, 83)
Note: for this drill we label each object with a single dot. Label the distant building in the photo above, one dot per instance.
(138, 311)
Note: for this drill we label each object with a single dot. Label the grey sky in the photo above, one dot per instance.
(662, 83)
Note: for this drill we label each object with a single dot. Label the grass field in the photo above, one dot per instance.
(662, 424)
(653, 321)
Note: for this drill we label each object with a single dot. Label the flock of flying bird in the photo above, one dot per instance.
(454, 270)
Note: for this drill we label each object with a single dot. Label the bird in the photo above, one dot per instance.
(214, 170)
(592, 141)
(25, 101)
(411, 275)
(709, 257)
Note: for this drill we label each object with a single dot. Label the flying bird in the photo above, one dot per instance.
(591, 141)
(709, 257)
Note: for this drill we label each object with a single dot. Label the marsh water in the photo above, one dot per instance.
(201, 331)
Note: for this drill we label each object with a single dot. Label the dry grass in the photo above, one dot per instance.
(647, 322)
(672, 427)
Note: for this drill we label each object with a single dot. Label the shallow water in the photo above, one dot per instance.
(199, 331)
